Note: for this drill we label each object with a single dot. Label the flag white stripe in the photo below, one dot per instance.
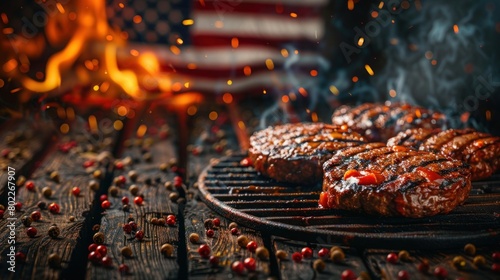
(233, 3)
(272, 27)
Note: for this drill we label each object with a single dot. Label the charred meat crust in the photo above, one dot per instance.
(295, 153)
(480, 150)
(379, 122)
(405, 191)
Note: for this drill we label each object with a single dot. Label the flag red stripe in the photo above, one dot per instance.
(207, 40)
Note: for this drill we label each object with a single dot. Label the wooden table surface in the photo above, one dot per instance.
(36, 149)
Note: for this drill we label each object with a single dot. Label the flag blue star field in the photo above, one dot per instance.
(227, 45)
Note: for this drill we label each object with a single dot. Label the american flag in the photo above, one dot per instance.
(237, 46)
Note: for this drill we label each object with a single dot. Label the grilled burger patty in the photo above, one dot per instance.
(295, 153)
(480, 150)
(379, 122)
(394, 181)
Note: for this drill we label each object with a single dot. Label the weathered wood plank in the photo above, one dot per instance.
(147, 261)
(71, 173)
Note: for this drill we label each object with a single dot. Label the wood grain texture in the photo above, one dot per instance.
(71, 173)
(376, 260)
(147, 261)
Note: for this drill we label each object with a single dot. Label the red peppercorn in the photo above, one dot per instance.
(324, 253)
(30, 186)
(125, 200)
(297, 257)
(120, 180)
(119, 165)
(170, 216)
(54, 208)
(423, 266)
(440, 272)
(214, 261)
(170, 222)
(496, 257)
(75, 191)
(238, 267)
(105, 204)
(250, 264)
(495, 267)
(139, 235)
(18, 206)
(31, 232)
(123, 268)
(348, 275)
(133, 225)
(210, 233)
(92, 247)
(392, 258)
(1, 214)
(5, 153)
(138, 200)
(103, 197)
(216, 222)
(235, 231)
(252, 246)
(307, 252)
(177, 181)
(403, 275)
(204, 251)
(94, 257)
(88, 163)
(127, 228)
(107, 261)
(102, 250)
(20, 256)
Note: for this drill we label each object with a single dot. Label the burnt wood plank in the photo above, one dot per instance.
(71, 173)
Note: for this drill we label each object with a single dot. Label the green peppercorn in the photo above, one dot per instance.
(337, 256)
(233, 225)
(470, 249)
(27, 220)
(163, 167)
(94, 185)
(113, 191)
(132, 174)
(126, 251)
(97, 174)
(54, 176)
(319, 265)
(459, 262)
(194, 238)
(404, 255)
(47, 192)
(167, 250)
(282, 255)
(54, 231)
(242, 241)
(169, 186)
(134, 190)
(174, 197)
(98, 238)
(479, 261)
(262, 253)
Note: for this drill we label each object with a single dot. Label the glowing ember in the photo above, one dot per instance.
(369, 70)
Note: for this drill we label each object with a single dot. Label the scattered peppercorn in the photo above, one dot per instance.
(113, 191)
(71, 218)
(96, 227)
(75, 191)
(94, 185)
(133, 225)
(392, 258)
(297, 257)
(27, 220)
(337, 256)
(105, 204)
(214, 261)
(123, 268)
(250, 264)
(139, 235)
(54, 231)
(238, 267)
(204, 251)
(98, 238)
(282, 255)
(133, 189)
(262, 253)
(404, 255)
(163, 167)
(138, 200)
(216, 222)
(209, 223)
(18, 206)
(194, 238)
(167, 250)
(132, 174)
(233, 225)
(495, 267)
(42, 205)
(106, 261)
(252, 246)
(94, 257)
(319, 265)
(470, 249)
(54, 176)
(47, 192)
(173, 197)
(210, 233)
(403, 275)
(348, 275)
(31, 232)
(440, 272)
(323, 253)
(126, 251)
(54, 260)
(169, 186)
(126, 208)
(496, 256)
(306, 252)
(30, 186)
(459, 262)
(479, 261)
(363, 276)
(424, 266)
(20, 256)
(235, 231)
(242, 241)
